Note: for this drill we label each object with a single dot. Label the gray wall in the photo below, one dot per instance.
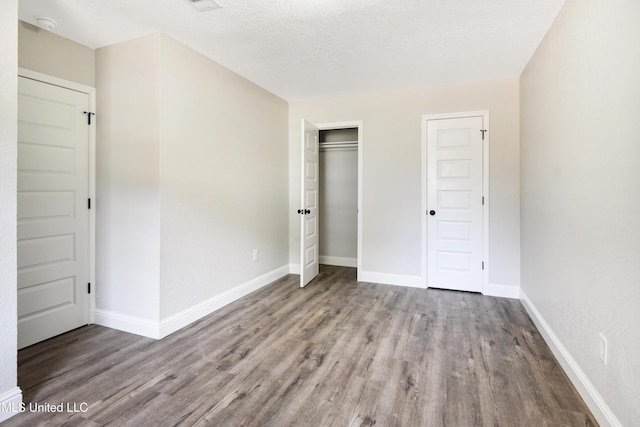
(338, 203)
(580, 104)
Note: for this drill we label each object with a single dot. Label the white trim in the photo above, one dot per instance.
(338, 261)
(91, 93)
(132, 324)
(375, 277)
(392, 279)
(12, 400)
(486, 287)
(160, 329)
(344, 125)
(600, 410)
(56, 81)
(503, 291)
(486, 160)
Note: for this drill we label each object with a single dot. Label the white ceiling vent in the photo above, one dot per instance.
(203, 5)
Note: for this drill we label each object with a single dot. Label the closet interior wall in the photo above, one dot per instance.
(338, 197)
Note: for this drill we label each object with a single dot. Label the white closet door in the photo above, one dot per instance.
(53, 216)
(309, 196)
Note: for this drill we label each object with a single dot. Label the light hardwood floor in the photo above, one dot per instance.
(337, 353)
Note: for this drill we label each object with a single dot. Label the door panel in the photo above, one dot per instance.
(309, 197)
(454, 195)
(53, 219)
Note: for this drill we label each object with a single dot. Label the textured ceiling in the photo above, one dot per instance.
(301, 49)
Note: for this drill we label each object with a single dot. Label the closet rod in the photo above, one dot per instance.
(325, 145)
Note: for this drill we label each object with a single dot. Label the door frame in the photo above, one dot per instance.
(91, 93)
(485, 190)
(359, 125)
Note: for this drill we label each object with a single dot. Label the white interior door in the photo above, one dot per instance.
(309, 197)
(454, 203)
(53, 216)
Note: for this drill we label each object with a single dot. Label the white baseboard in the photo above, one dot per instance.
(124, 322)
(495, 290)
(160, 329)
(381, 278)
(179, 320)
(10, 403)
(338, 261)
(588, 392)
(392, 279)
(503, 291)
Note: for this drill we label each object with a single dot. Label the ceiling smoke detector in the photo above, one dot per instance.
(46, 23)
(204, 5)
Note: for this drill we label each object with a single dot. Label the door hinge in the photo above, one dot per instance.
(88, 288)
(89, 203)
(89, 114)
(482, 200)
(483, 132)
(483, 265)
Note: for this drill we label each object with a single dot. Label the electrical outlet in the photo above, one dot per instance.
(603, 349)
(256, 255)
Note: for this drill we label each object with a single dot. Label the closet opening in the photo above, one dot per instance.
(338, 198)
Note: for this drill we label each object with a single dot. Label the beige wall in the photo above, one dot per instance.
(223, 179)
(192, 176)
(128, 178)
(392, 171)
(580, 103)
(48, 53)
(8, 166)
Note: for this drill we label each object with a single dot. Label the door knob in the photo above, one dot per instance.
(307, 211)
(432, 212)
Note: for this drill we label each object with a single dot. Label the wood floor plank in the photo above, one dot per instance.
(336, 353)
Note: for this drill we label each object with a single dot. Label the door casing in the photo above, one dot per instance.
(344, 125)
(485, 189)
